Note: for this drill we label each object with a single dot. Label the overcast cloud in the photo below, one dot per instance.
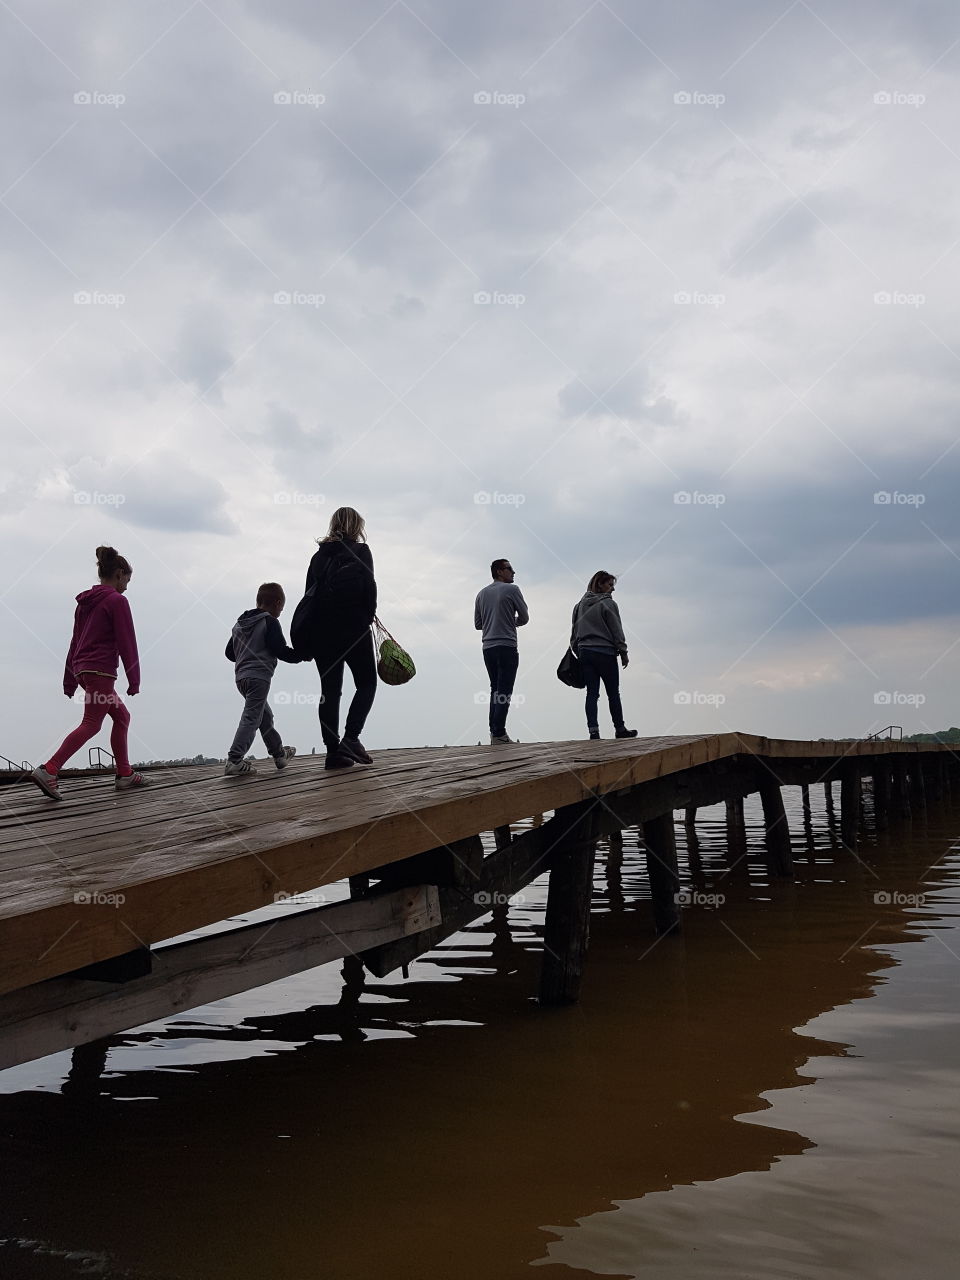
(663, 289)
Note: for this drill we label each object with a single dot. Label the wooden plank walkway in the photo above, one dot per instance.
(199, 848)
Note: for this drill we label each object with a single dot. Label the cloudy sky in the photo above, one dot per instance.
(664, 289)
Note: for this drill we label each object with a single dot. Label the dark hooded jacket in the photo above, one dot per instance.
(346, 590)
(596, 624)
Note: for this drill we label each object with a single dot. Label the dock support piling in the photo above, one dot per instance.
(663, 871)
(566, 929)
(850, 792)
(900, 799)
(777, 832)
(881, 794)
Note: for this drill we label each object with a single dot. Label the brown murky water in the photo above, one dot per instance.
(772, 1095)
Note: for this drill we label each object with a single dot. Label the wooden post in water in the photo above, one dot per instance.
(828, 794)
(933, 785)
(900, 799)
(690, 815)
(779, 852)
(736, 834)
(881, 793)
(918, 793)
(663, 872)
(850, 790)
(805, 800)
(566, 930)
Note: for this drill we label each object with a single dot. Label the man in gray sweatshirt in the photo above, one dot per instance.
(500, 608)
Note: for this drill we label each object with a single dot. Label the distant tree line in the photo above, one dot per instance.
(942, 735)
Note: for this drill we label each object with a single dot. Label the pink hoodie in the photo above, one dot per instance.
(102, 633)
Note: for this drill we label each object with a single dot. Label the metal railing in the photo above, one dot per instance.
(7, 765)
(889, 731)
(95, 757)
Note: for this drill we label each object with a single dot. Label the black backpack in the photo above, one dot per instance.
(323, 596)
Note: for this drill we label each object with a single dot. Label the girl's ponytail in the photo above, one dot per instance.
(110, 562)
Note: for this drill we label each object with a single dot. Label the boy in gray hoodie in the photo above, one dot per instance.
(255, 645)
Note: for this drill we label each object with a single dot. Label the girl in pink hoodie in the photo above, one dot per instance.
(102, 635)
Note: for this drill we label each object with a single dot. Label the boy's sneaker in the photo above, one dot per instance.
(594, 735)
(47, 782)
(131, 781)
(236, 768)
(502, 740)
(354, 747)
(288, 754)
(339, 759)
(626, 733)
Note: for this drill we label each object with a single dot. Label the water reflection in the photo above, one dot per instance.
(433, 1127)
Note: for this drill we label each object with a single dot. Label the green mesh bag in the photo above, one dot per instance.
(395, 666)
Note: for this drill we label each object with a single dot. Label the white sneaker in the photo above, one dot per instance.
(47, 782)
(133, 781)
(234, 768)
(288, 754)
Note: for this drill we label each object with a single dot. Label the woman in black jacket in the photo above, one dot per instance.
(344, 609)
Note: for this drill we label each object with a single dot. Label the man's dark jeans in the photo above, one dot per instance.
(597, 666)
(501, 661)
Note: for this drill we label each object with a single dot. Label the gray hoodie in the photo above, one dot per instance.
(256, 643)
(596, 624)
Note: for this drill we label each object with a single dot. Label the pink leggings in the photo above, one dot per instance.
(99, 702)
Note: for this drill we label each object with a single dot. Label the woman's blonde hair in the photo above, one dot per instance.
(345, 523)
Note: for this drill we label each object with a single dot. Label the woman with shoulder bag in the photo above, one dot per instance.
(344, 606)
(597, 638)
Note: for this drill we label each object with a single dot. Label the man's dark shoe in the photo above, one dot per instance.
(354, 747)
(339, 759)
(626, 733)
(594, 735)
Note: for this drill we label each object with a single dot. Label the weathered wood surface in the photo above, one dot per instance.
(199, 847)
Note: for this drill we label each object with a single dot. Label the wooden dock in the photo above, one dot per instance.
(92, 885)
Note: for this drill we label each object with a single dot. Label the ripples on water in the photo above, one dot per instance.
(771, 1095)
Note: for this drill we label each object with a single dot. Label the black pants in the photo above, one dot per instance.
(357, 653)
(501, 661)
(597, 666)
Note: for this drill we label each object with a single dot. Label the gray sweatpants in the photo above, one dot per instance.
(256, 715)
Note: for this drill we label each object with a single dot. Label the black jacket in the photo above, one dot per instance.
(346, 570)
